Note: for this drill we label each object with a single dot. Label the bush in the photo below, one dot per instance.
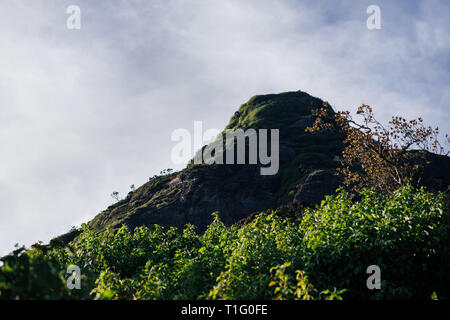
(32, 275)
(267, 241)
(406, 234)
(323, 255)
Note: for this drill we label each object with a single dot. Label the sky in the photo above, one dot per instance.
(84, 112)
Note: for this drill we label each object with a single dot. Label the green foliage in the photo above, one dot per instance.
(323, 255)
(267, 241)
(33, 275)
(406, 234)
(300, 289)
(200, 269)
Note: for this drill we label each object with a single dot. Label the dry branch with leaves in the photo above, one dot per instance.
(378, 156)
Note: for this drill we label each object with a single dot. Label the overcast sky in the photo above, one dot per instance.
(90, 111)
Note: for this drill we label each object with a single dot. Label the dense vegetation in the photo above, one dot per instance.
(323, 254)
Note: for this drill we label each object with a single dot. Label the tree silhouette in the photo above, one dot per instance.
(115, 195)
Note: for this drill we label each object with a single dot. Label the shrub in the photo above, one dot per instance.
(267, 241)
(316, 257)
(406, 234)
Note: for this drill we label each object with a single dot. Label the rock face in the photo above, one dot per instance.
(236, 191)
(305, 176)
(198, 192)
(436, 176)
(316, 185)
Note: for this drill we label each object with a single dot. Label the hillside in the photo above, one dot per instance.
(164, 242)
(235, 191)
(306, 174)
